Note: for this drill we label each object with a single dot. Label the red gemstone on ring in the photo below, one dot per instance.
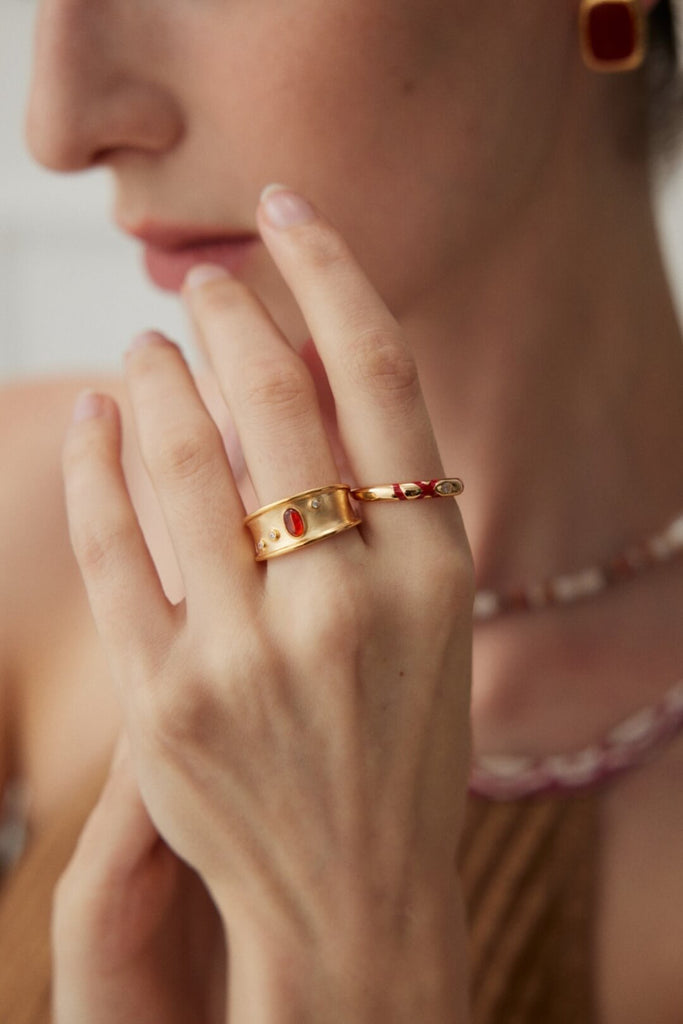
(294, 522)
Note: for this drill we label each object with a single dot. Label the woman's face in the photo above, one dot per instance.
(417, 126)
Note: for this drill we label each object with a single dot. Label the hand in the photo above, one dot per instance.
(136, 936)
(300, 728)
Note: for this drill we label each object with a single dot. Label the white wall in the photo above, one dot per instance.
(72, 292)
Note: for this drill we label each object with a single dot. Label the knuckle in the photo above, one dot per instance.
(98, 545)
(331, 622)
(443, 585)
(381, 363)
(180, 713)
(324, 248)
(281, 389)
(185, 453)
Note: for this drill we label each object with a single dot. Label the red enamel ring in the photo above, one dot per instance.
(414, 490)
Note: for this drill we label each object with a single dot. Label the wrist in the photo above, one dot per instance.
(364, 972)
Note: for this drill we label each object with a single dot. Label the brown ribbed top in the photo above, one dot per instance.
(529, 871)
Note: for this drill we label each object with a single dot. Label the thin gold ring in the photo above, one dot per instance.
(303, 519)
(414, 490)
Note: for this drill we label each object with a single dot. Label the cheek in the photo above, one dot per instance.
(374, 111)
(358, 127)
(330, 84)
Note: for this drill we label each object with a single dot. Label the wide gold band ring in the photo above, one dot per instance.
(300, 520)
(414, 490)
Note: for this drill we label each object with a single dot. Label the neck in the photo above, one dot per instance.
(553, 368)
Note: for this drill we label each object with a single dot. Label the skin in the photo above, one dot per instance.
(372, 806)
(522, 238)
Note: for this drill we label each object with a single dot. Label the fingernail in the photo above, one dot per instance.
(284, 208)
(203, 273)
(146, 338)
(88, 406)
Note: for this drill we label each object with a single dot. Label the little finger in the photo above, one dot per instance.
(128, 604)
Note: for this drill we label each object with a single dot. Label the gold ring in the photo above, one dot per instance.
(302, 519)
(414, 490)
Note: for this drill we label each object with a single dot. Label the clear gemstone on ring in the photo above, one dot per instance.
(316, 503)
(274, 534)
(448, 487)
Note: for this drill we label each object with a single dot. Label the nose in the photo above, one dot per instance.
(94, 90)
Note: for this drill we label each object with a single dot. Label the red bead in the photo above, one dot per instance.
(619, 569)
(516, 601)
(294, 522)
(612, 32)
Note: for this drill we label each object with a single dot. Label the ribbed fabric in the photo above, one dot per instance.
(528, 868)
(529, 872)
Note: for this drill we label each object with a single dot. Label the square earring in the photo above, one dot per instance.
(613, 34)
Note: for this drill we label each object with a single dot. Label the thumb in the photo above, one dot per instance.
(119, 833)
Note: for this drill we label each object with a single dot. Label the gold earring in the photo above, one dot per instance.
(613, 34)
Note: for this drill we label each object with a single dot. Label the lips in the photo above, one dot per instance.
(170, 252)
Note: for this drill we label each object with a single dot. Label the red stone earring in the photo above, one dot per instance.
(613, 34)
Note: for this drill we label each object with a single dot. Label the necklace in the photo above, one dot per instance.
(577, 586)
(630, 743)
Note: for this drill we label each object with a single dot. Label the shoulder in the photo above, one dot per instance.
(37, 569)
(35, 556)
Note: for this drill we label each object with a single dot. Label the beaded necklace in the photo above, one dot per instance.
(570, 588)
(629, 743)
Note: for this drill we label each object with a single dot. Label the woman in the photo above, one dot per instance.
(476, 211)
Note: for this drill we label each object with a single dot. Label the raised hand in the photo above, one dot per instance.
(299, 727)
(136, 936)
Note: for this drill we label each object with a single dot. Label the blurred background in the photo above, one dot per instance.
(72, 290)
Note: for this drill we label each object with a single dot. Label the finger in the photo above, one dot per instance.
(119, 834)
(266, 385)
(128, 604)
(114, 894)
(185, 457)
(382, 416)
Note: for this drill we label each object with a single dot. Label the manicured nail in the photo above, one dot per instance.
(89, 405)
(284, 208)
(145, 339)
(202, 274)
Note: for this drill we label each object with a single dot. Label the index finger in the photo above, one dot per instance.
(383, 420)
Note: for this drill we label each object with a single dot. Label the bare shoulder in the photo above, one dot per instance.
(57, 715)
(34, 549)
